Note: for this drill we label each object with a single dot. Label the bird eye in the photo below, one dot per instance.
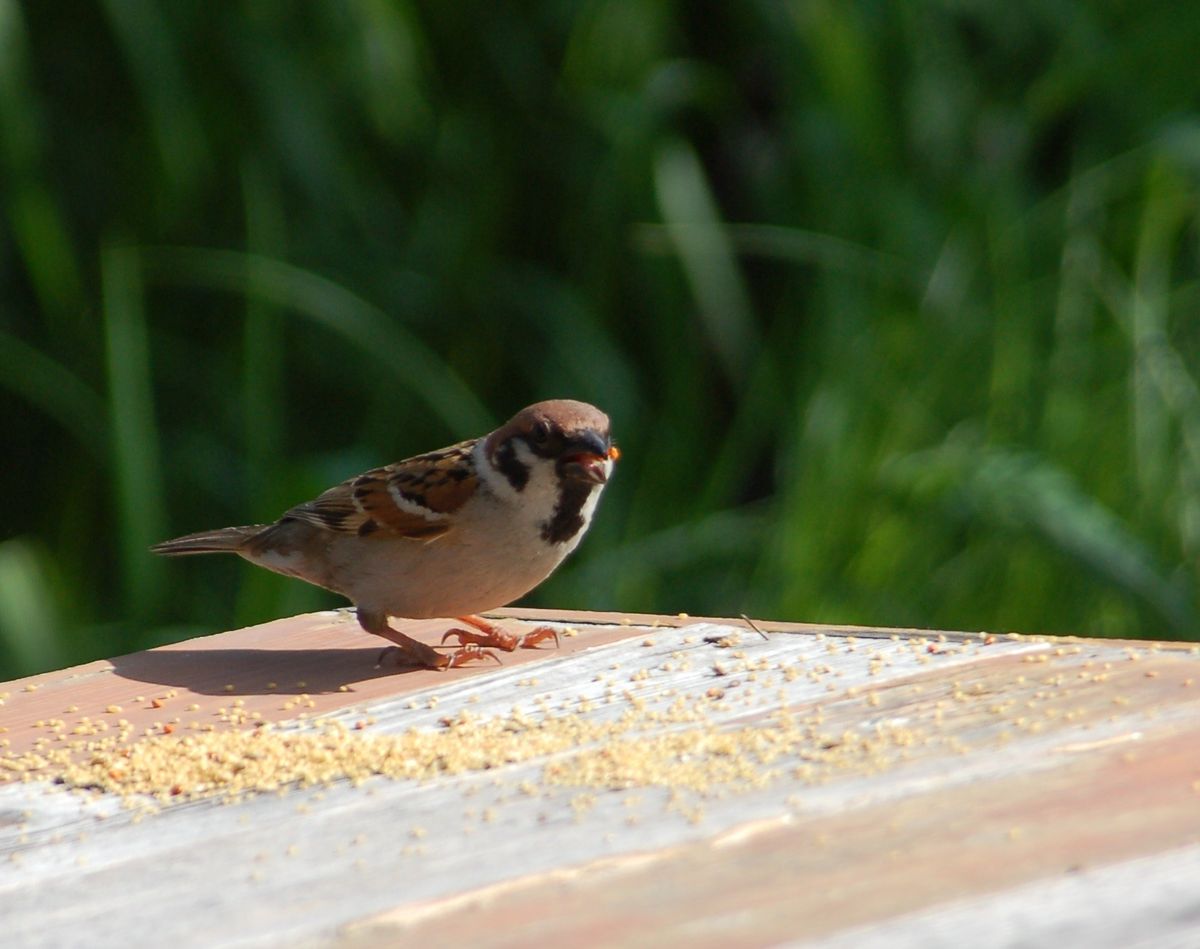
(540, 433)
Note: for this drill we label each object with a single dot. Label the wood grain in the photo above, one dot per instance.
(1026, 767)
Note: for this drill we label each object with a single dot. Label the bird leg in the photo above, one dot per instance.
(415, 650)
(492, 635)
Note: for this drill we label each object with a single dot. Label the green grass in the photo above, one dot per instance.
(894, 306)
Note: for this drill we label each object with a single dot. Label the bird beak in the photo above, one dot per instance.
(585, 466)
(593, 463)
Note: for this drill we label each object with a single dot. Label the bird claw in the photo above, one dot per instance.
(531, 640)
(468, 652)
(494, 637)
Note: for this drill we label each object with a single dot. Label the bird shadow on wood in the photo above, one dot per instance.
(261, 671)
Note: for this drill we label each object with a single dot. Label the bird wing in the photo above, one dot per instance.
(415, 498)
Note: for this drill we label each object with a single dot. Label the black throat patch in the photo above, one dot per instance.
(509, 465)
(566, 521)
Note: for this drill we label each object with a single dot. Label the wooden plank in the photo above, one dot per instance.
(926, 781)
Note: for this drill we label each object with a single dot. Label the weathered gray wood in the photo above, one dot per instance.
(1150, 903)
(391, 861)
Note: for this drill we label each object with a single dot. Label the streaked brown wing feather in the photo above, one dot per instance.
(441, 481)
(392, 500)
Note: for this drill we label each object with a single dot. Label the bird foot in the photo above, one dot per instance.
(494, 637)
(496, 640)
(467, 653)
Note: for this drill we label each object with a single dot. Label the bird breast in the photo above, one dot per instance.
(494, 554)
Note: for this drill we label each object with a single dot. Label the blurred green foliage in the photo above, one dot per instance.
(894, 305)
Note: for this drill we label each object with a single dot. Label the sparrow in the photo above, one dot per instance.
(452, 533)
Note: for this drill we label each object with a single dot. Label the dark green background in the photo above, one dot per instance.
(894, 305)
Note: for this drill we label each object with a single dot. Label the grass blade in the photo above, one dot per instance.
(52, 388)
(377, 337)
(135, 448)
(30, 629)
(694, 224)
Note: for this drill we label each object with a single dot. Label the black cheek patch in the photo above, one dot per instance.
(511, 467)
(566, 521)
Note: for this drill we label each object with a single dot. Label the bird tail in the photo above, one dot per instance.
(226, 540)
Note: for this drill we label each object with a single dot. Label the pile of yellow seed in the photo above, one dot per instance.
(744, 759)
(626, 744)
(675, 748)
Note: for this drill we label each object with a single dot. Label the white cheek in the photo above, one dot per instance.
(541, 491)
(495, 481)
(524, 455)
(538, 496)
